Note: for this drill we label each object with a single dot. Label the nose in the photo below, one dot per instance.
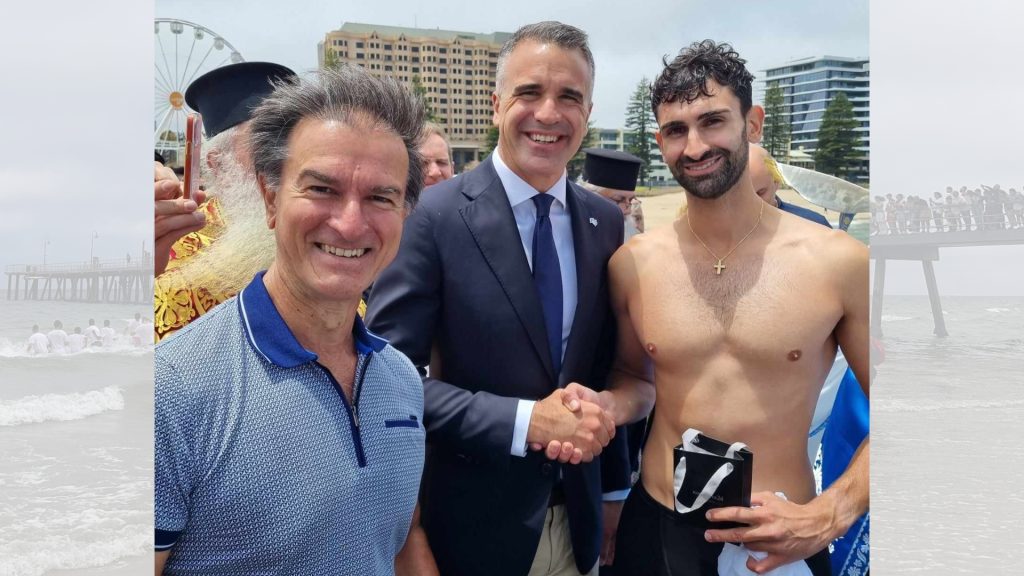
(547, 111)
(348, 218)
(433, 175)
(696, 148)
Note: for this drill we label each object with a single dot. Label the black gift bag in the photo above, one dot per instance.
(710, 474)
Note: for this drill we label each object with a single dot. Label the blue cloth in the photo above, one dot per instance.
(262, 464)
(547, 277)
(847, 427)
(802, 212)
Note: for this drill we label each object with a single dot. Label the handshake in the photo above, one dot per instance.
(572, 425)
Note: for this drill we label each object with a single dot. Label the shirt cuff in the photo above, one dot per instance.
(616, 496)
(523, 413)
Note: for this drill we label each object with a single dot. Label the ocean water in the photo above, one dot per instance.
(76, 448)
(946, 431)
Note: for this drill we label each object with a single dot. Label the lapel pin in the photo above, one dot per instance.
(593, 222)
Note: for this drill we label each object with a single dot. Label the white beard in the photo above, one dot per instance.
(246, 245)
(631, 229)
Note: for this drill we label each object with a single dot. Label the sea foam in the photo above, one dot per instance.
(57, 407)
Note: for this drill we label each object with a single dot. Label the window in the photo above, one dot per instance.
(359, 45)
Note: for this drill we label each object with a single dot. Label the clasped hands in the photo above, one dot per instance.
(571, 425)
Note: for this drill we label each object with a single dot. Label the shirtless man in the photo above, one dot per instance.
(699, 306)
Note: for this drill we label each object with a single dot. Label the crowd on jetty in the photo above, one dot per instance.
(963, 210)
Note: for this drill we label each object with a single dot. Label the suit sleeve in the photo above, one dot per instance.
(405, 307)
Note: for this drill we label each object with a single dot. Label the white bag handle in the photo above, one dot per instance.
(712, 484)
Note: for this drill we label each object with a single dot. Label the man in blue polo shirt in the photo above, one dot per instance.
(289, 439)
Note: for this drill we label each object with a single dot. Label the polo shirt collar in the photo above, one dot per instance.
(271, 337)
(517, 189)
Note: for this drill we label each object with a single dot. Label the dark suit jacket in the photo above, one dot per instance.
(462, 281)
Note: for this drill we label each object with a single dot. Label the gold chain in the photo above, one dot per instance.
(719, 266)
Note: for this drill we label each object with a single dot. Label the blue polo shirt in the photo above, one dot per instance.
(262, 464)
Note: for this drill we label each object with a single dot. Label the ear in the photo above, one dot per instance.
(755, 123)
(495, 105)
(657, 138)
(269, 201)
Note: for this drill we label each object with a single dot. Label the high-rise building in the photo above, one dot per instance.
(455, 70)
(808, 85)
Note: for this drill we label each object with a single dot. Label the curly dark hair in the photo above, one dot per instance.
(686, 76)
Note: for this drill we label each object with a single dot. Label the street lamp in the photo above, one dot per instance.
(45, 242)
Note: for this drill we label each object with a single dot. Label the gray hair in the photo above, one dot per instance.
(561, 35)
(348, 94)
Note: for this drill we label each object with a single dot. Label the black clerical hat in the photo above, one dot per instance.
(226, 96)
(611, 168)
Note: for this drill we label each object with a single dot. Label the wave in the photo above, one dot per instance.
(60, 407)
(998, 310)
(10, 349)
(898, 406)
(894, 318)
(41, 555)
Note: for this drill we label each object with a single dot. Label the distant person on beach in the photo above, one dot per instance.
(76, 341)
(108, 334)
(38, 344)
(227, 239)
(289, 439)
(93, 336)
(58, 338)
(437, 155)
(736, 271)
(129, 330)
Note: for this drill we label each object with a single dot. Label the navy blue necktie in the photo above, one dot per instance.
(547, 277)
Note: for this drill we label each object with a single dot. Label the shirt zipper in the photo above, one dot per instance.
(352, 409)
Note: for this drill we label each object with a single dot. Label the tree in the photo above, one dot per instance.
(836, 138)
(575, 166)
(421, 92)
(492, 141)
(331, 61)
(640, 125)
(776, 126)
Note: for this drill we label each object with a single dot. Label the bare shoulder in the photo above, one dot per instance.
(833, 248)
(627, 265)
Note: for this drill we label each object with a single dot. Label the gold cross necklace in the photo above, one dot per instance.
(719, 266)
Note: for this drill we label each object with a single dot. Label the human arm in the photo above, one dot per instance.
(161, 559)
(416, 302)
(174, 215)
(789, 531)
(415, 557)
(630, 394)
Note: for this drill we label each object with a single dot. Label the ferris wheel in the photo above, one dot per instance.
(183, 52)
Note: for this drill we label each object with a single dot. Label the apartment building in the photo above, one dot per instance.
(456, 71)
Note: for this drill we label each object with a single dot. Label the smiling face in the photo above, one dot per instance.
(541, 110)
(337, 215)
(704, 142)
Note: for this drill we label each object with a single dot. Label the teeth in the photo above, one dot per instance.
(543, 138)
(343, 252)
(704, 165)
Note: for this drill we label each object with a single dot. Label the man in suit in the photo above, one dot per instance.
(502, 273)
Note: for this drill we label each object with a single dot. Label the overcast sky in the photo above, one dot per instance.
(628, 40)
(77, 122)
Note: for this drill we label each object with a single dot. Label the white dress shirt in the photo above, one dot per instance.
(520, 196)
